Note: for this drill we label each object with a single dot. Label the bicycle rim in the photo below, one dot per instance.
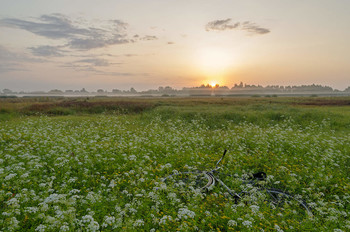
(185, 181)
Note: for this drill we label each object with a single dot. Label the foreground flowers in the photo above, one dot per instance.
(104, 173)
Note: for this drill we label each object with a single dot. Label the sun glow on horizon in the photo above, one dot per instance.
(215, 64)
(213, 60)
(213, 83)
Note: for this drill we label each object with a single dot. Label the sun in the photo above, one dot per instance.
(213, 83)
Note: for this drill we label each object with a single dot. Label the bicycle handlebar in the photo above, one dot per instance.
(221, 158)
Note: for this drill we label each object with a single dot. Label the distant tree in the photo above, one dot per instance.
(55, 91)
(68, 91)
(223, 87)
(168, 90)
(116, 91)
(132, 90)
(100, 91)
(6, 91)
(347, 89)
(83, 90)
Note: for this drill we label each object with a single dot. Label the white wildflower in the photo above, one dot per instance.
(164, 219)
(138, 223)
(10, 176)
(64, 228)
(231, 223)
(185, 213)
(277, 228)
(207, 213)
(112, 184)
(40, 228)
(254, 208)
(90, 223)
(108, 221)
(247, 224)
(13, 223)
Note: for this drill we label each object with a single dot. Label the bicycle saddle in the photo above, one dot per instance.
(259, 176)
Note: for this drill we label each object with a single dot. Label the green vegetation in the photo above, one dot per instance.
(97, 164)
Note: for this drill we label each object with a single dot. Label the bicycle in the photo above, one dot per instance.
(254, 189)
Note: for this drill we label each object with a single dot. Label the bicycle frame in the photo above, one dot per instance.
(274, 193)
(212, 178)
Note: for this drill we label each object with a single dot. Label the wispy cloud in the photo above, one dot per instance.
(130, 55)
(90, 67)
(227, 24)
(47, 51)
(11, 67)
(14, 61)
(122, 74)
(149, 37)
(95, 62)
(221, 25)
(76, 34)
(253, 28)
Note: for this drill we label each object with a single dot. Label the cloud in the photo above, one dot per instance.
(47, 51)
(253, 28)
(95, 62)
(87, 67)
(11, 67)
(55, 26)
(14, 61)
(130, 55)
(226, 24)
(91, 43)
(76, 34)
(149, 37)
(221, 25)
(99, 72)
(6, 54)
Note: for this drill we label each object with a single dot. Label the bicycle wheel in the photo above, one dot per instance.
(278, 201)
(185, 181)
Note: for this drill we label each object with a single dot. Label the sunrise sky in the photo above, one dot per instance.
(71, 44)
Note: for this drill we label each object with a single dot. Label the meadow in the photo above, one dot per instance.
(97, 164)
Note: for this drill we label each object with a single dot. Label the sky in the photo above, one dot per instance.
(119, 44)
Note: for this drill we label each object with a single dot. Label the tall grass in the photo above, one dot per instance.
(216, 116)
(333, 112)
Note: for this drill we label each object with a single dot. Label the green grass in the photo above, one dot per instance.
(215, 111)
(91, 171)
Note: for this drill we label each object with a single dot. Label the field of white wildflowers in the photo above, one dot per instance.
(104, 173)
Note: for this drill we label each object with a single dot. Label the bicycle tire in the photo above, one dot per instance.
(280, 201)
(187, 180)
